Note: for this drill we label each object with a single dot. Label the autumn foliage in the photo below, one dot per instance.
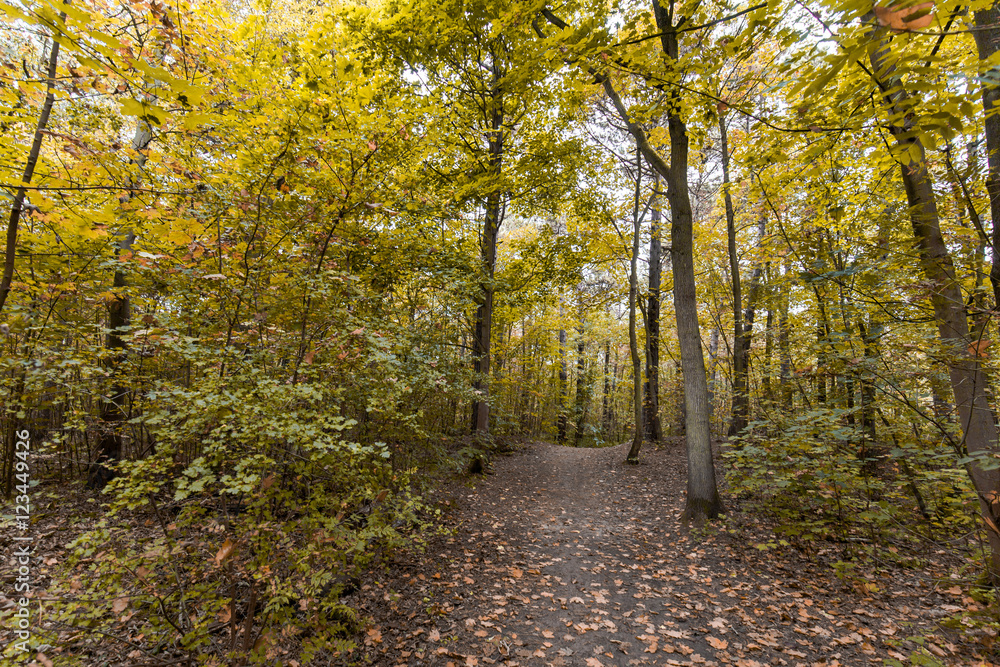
(275, 271)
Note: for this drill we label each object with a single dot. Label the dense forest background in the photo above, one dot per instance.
(272, 268)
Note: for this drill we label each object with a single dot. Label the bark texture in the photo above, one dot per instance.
(969, 381)
(633, 297)
(488, 255)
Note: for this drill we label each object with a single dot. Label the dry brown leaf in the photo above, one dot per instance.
(716, 643)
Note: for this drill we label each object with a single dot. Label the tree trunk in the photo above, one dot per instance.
(741, 349)
(113, 407)
(822, 345)
(987, 36)
(563, 386)
(738, 420)
(580, 409)
(869, 452)
(488, 254)
(633, 341)
(768, 351)
(606, 396)
(968, 378)
(653, 425)
(703, 502)
(29, 171)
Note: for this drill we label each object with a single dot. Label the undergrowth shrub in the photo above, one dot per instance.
(817, 477)
(247, 548)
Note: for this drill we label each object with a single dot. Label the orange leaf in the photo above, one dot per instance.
(978, 348)
(227, 549)
(720, 644)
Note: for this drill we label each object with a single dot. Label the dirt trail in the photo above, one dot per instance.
(571, 557)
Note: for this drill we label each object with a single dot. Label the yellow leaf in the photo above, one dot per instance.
(193, 121)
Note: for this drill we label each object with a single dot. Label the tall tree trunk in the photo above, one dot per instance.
(606, 396)
(869, 452)
(822, 345)
(738, 420)
(653, 424)
(113, 406)
(613, 415)
(703, 500)
(768, 352)
(563, 386)
(741, 375)
(968, 377)
(29, 172)
(488, 254)
(633, 297)
(987, 36)
(713, 361)
(580, 409)
(784, 343)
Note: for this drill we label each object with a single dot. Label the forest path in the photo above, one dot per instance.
(571, 557)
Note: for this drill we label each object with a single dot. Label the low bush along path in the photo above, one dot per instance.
(570, 556)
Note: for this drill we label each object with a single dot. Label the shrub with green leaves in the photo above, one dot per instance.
(252, 541)
(813, 471)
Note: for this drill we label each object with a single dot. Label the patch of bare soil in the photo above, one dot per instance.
(572, 557)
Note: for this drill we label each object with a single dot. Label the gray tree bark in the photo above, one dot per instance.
(633, 341)
(969, 380)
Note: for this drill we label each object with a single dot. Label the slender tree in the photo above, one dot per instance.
(633, 297)
(17, 206)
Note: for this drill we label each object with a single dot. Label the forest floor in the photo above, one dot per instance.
(572, 557)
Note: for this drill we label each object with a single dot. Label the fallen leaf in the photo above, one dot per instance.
(720, 644)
